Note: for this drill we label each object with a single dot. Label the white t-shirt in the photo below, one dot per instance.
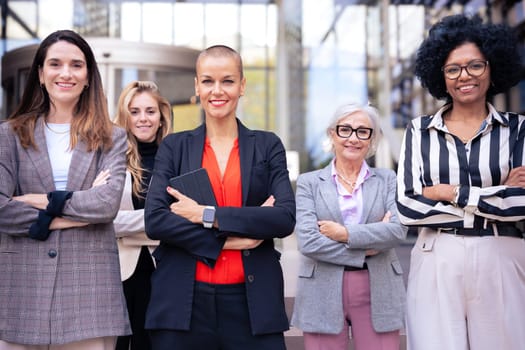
(57, 140)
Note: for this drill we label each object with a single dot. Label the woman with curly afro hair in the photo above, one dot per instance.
(461, 181)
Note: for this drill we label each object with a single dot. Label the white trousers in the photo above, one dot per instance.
(466, 293)
(104, 343)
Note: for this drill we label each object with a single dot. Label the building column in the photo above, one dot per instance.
(290, 76)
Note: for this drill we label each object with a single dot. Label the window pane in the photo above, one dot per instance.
(189, 16)
(258, 25)
(157, 19)
(257, 106)
(221, 23)
(131, 21)
(50, 16)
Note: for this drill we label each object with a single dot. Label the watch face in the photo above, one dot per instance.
(208, 215)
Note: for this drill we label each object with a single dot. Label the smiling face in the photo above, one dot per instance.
(219, 85)
(467, 89)
(144, 117)
(64, 73)
(352, 149)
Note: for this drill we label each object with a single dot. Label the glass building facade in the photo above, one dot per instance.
(302, 58)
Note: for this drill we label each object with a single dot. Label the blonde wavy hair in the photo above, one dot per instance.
(123, 117)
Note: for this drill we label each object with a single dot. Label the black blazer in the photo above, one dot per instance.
(263, 173)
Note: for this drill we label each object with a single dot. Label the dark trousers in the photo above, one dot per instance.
(220, 321)
(137, 290)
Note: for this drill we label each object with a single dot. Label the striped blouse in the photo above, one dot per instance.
(430, 155)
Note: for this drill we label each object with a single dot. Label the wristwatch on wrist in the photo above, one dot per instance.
(208, 217)
(454, 202)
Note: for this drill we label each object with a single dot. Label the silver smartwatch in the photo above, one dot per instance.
(208, 217)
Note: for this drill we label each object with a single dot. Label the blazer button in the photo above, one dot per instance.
(246, 252)
(250, 278)
(52, 253)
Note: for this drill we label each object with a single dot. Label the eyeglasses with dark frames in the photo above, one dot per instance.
(474, 68)
(345, 131)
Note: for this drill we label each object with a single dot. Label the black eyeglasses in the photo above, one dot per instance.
(345, 131)
(474, 68)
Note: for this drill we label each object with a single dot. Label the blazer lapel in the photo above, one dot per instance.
(40, 157)
(329, 194)
(369, 189)
(81, 161)
(195, 148)
(246, 150)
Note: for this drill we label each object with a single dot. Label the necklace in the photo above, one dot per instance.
(348, 182)
(459, 128)
(467, 140)
(56, 131)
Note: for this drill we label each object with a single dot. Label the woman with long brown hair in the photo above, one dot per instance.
(58, 257)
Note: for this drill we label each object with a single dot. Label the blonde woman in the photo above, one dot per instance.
(146, 116)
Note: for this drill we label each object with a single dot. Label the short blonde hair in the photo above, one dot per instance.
(221, 51)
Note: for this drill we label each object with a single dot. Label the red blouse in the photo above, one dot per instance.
(228, 192)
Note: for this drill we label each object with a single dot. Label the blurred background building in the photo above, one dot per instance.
(302, 57)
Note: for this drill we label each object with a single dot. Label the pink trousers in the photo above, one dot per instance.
(356, 308)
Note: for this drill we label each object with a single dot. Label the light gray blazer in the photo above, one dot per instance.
(318, 302)
(68, 287)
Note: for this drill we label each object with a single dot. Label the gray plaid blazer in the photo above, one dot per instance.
(68, 287)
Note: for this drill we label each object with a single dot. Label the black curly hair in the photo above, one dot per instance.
(497, 42)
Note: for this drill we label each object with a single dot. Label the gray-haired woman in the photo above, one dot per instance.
(347, 228)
